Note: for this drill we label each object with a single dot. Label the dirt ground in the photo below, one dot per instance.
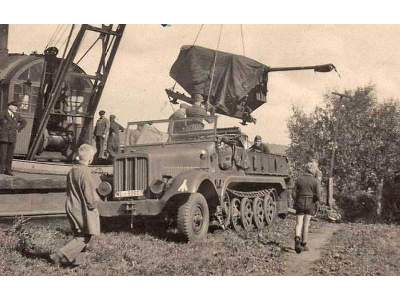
(152, 249)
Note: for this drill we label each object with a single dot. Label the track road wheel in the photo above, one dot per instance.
(259, 214)
(246, 213)
(226, 211)
(269, 208)
(235, 215)
(193, 217)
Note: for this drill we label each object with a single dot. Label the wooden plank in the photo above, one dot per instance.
(32, 204)
(18, 183)
(49, 168)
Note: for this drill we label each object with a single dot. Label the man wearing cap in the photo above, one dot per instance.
(259, 146)
(113, 142)
(198, 113)
(10, 123)
(101, 131)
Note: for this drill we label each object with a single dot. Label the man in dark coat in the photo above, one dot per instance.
(259, 146)
(307, 194)
(81, 209)
(113, 142)
(10, 123)
(101, 133)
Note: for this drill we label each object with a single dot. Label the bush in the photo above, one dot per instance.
(358, 206)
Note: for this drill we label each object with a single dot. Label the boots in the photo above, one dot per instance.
(304, 246)
(297, 244)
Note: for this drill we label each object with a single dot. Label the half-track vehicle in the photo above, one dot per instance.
(197, 173)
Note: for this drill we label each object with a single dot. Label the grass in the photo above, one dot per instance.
(362, 249)
(150, 250)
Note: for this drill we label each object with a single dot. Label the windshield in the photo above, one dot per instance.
(170, 131)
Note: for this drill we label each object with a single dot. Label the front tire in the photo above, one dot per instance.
(193, 217)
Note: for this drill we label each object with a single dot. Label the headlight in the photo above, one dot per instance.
(104, 189)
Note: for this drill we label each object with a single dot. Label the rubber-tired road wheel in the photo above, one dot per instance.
(258, 210)
(235, 214)
(269, 208)
(226, 211)
(246, 213)
(193, 217)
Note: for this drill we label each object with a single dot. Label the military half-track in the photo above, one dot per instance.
(197, 173)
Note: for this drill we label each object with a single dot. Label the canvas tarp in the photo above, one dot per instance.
(238, 84)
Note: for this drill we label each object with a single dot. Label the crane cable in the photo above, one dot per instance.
(215, 61)
(51, 39)
(242, 34)
(194, 43)
(61, 36)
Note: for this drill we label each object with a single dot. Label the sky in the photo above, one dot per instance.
(363, 54)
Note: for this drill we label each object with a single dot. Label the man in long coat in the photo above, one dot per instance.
(80, 208)
(10, 123)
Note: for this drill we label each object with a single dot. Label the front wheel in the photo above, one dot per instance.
(193, 217)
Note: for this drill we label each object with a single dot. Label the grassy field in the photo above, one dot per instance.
(151, 249)
(360, 249)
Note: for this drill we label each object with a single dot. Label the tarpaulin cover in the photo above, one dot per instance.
(238, 85)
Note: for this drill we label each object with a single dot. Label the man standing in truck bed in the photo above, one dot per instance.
(101, 133)
(113, 142)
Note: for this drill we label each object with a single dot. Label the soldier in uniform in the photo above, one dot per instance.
(180, 114)
(225, 153)
(307, 194)
(101, 133)
(81, 209)
(259, 146)
(198, 112)
(113, 142)
(10, 123)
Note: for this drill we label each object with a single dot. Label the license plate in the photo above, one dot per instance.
(130, 193)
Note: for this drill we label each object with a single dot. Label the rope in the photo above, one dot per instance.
(198, 33)
(241, 33)
(50, 41)
(68, 40)
(62, 32)
(69, 36)
(215, 61)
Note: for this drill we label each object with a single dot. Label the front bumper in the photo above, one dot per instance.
(147, 207)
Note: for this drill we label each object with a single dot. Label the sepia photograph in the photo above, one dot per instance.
(199, 149)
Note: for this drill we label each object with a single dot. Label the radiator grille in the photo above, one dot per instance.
(131, 174)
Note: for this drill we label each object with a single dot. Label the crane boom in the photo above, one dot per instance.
(110, 38)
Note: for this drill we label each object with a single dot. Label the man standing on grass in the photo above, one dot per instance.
(307, 195)
(81, 209)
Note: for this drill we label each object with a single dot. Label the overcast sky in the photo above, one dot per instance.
(363, 54)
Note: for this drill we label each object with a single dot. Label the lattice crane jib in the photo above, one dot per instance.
(109, 36)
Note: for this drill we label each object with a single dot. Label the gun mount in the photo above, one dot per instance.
(230, 84)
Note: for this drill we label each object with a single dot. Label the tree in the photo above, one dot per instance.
(363, 131)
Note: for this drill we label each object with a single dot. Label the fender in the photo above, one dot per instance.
(185, 183)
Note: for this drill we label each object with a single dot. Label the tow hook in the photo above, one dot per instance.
(130, 207)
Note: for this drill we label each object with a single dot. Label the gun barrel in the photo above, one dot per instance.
(317, 68)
